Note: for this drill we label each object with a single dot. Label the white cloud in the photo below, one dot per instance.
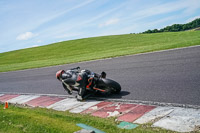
(58, 29)
(25, 36)
(53, 17)
(34, 46)
(60, 41)
(188, 7)
(68, 35)
(191, 7)
(109, 22)
(39, 41)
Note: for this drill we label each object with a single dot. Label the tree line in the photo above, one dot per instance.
(177, 27)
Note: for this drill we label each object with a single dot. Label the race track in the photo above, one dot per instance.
(168, 76)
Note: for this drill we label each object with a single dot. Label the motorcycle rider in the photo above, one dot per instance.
(73, 79)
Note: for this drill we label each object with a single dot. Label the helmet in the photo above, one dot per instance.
(59, 73)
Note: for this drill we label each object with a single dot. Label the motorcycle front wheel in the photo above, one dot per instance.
(109, 84)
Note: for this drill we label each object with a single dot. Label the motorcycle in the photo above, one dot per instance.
(94, 83)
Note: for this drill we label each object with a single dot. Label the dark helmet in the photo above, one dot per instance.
(59, 74)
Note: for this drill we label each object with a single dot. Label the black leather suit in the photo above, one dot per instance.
(75, 80)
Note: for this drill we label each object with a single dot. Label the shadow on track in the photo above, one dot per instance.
(112, 96)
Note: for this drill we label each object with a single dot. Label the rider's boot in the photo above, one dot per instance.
(79, 98)
(81, 93)
(69, 91)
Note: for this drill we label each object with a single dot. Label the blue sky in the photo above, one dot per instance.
(32, 23)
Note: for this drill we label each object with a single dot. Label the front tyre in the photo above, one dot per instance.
(108, 83)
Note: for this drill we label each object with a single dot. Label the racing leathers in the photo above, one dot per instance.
(72, 79)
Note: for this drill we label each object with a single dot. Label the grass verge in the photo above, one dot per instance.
(17, 119)
(95, 48)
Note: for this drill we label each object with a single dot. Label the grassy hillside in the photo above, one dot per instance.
(95, 48)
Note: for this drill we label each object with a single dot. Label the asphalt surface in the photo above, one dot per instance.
(168, 76)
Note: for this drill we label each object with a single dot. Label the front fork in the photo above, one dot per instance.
(92, 85)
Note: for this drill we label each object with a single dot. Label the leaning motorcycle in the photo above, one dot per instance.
(93, 82)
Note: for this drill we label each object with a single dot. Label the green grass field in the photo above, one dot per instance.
(95, 48)
(36, 120)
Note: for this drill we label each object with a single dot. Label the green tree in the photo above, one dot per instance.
(178, 27)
